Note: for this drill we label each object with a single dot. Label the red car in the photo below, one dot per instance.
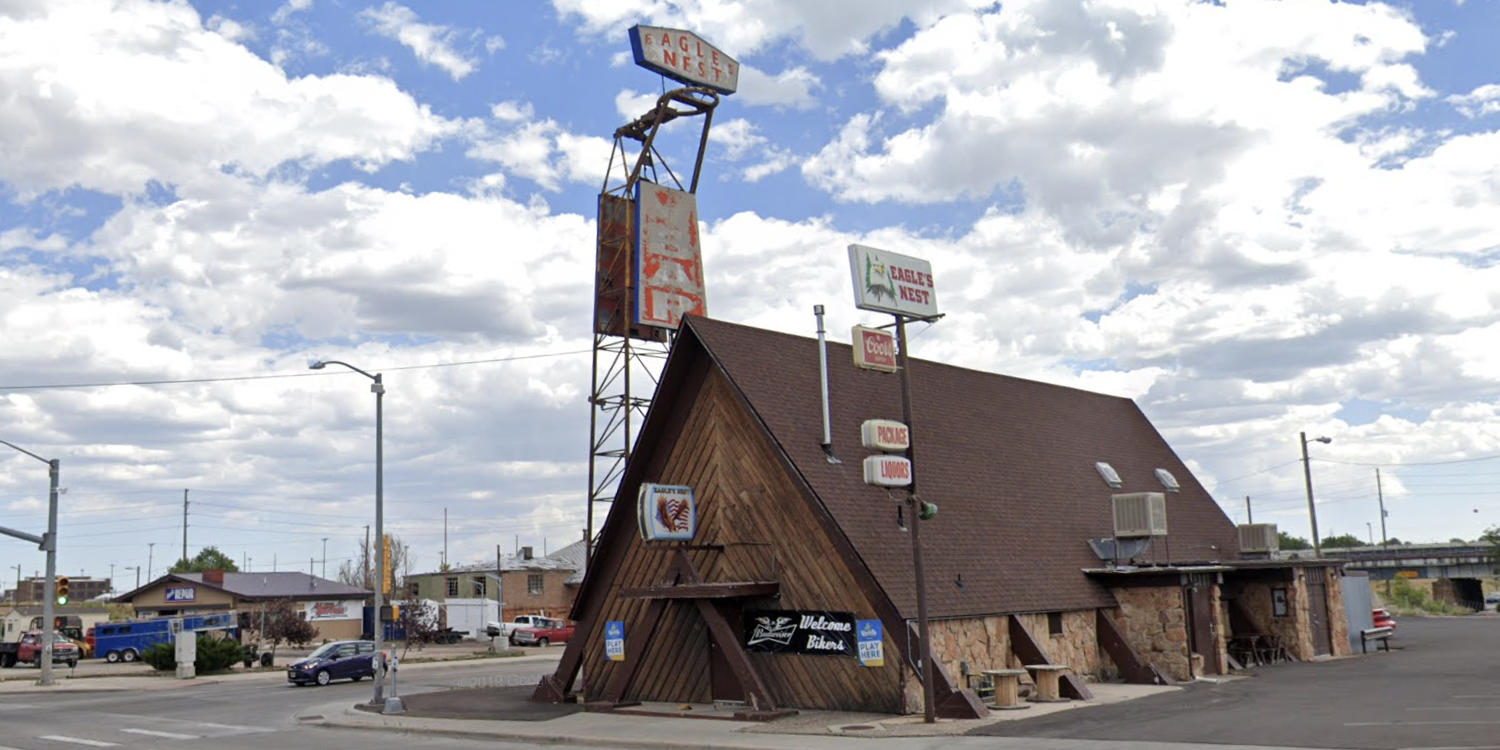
(1383, 618)
(545, 632)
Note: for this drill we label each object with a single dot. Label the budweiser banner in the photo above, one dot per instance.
(791, 632)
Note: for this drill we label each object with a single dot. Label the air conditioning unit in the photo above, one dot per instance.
(1259, 537)
(1140, 514)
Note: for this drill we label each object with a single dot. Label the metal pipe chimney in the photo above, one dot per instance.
(823, 383)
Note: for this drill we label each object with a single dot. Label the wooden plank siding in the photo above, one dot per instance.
(756, 519)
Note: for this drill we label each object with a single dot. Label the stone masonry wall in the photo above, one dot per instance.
(980, 643)
(1155, 623)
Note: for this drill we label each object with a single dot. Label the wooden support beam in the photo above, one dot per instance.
(756, 693)
(1133, 668)
(704, 591)
(1030, 651)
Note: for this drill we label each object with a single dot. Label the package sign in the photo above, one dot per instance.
(668, 260)
(181, 594)
(871, 640)
(888, 471)
(666, 512)
(684, 56)
(888, 282)
(884, 435)
(874, 349)
(793, 632)
(614, 640)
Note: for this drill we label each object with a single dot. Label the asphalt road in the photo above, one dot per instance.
(1439, 687)
(247, 715)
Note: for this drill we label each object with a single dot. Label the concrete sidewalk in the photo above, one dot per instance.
(669, 726)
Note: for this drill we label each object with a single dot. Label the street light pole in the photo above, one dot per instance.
(1312, 511)
(48, 544)
(325, 557)
(377, 387)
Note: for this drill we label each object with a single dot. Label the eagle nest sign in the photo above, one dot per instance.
(890, 282)
(684, 56)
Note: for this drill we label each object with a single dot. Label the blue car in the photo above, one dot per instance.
(338, 660)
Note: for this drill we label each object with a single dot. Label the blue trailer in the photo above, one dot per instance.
(126, 641)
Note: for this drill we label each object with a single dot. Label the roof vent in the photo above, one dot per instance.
(1259, 537)
(1109, 475)
(1167, 480)
(1140, 514)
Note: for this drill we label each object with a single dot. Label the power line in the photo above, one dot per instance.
(242, 378)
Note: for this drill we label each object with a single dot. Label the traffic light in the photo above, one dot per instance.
(62, 589)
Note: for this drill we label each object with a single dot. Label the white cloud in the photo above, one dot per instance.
(545, 153)
(432, 44)
(789, 88)
(109, 102)
(1484, 100)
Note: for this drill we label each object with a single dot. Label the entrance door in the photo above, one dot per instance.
(1317, 608)
(722, 680)
(1205, 637)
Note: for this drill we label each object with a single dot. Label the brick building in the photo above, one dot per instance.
(529, 584)
(1025, 563)
(80, 589)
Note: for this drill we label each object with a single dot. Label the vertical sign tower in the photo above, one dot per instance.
(649, 267)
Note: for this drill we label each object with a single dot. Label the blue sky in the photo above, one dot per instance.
(1254, 218)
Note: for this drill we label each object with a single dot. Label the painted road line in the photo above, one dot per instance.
(77, 741)
(232, 727)
(168, 735)
(1414, 723)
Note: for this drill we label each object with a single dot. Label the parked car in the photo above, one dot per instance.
(545, 632)
(29, 650)
(1491, 599)
(507, 629)
(337, 660)
(1383, 618)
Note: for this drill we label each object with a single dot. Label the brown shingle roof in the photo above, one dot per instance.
(1010, 463)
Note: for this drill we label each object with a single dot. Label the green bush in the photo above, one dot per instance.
(214, 655)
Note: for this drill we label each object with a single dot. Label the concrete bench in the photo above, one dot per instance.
(1007, 684)
(1046, 677)
(1380, 635)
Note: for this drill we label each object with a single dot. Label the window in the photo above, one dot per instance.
(1054, 623)
(452, 586)
(479, 587)
(534, 584)
(414, 590)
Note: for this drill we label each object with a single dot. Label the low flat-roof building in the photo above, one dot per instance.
(335, 609)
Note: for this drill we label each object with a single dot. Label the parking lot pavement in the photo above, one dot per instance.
(1439, 687)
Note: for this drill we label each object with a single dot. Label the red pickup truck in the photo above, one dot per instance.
(29, 650)
(543, 633)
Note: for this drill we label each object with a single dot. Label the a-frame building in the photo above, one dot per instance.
(1011, 576)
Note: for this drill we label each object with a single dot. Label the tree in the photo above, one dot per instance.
(359, 570)
(1394, 542)
(1491, 536)
(284, 624)
(208, 558)
(1289, 542)
(419, 620)
(1343, 540)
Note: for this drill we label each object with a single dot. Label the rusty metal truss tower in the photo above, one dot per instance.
(628, 356)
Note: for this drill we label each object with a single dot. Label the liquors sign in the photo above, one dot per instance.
(781, 631)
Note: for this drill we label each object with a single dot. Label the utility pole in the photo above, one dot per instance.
(111, 578)
(184, 524)
(365, 563)
(1249, 514)
(1380, 493)
(445, 539)
(150, 560)
(325, 557)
